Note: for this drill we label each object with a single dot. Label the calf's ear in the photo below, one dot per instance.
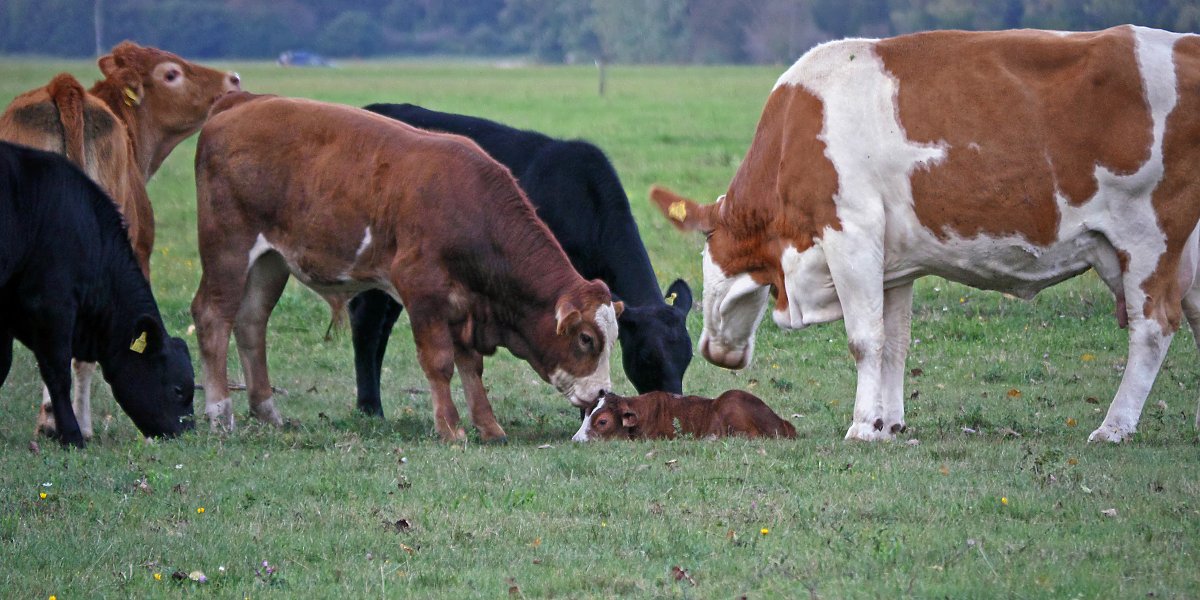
(148, 336)
(619, 307)
(566, 315)
(629, 419)
(679, 296)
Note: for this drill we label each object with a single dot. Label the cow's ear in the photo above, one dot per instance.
(679, 296)
(683, 213)
(566, 315)
(107, 64)
(629, 419)
(148, 336)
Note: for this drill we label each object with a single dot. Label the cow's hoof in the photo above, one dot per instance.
(1109, 433)
(265, 411)
(869, 432)
(220, 416)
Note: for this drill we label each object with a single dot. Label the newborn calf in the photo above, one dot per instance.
(665, 415)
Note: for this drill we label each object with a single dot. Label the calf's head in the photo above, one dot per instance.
(577, 358)
(734, 300)
(613, 417)
(656, 348)
(170, 95)
(152, 379)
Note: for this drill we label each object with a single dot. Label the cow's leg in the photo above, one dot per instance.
(1191, 309)
(372, 315)
(6, 355)
(264, 284)
(897, 330)
(53, 355)
(470, 370)
(213, 311)
(859, 285)
(1148, 344)
(435, 352)
(81, 397)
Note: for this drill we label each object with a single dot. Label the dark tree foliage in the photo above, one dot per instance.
(630, 31)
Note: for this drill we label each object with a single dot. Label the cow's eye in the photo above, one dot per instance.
(172, 75)
(601, 422)
(179, 391)
(586, 340)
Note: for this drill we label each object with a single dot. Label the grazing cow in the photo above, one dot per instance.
(577, 194)
(1005, 160)
(659, 415)
(119, 132)
(70, 287)
(347, 200)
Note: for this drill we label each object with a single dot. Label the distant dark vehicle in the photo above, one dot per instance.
(303, 58)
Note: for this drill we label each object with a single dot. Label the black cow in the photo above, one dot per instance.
(71, 287)
(577, 193)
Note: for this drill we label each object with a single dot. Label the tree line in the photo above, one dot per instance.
(552, 31)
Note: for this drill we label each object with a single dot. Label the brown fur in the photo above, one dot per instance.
(451, 234)
(656, 415)
(117, 141)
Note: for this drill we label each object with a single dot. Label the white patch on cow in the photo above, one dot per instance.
(582, 391)
(365, 242)
(585, 428)
(817, 301)
(261, 246)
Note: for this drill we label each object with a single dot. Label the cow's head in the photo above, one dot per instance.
(613, 417)
(576, 359)
(170, 95)
(152, 379)
(734, 301)
(655, 345)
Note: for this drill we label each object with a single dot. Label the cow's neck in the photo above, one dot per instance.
(629, 273)
(111, 310)
(150, 147)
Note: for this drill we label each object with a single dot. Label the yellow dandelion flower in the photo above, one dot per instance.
(158, 576)
(1071, 422)
(42, 495)
(200, 510)
(1004, 500)
(764, 531)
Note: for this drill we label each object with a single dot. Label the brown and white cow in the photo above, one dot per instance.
(663, 415)
(118, 132)
(347, 200)
(1003, 160)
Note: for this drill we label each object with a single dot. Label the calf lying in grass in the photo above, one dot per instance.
(666, 415)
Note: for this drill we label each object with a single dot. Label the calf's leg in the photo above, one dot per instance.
(53, 354)
(435, 352)
(81, 402)
(264, 284)
(470, 370)
(213, 311)
(372, 315)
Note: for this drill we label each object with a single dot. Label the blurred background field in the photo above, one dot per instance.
(998, 496)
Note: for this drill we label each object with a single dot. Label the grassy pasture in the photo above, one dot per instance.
(342, 505)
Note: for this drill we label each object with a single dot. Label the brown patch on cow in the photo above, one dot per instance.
(774, 202)
(1022, 114)
(1176, 198)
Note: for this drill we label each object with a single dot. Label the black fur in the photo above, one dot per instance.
(579, 196)
(71, 288)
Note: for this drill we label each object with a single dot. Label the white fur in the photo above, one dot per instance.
(585, 428)
(582, 391)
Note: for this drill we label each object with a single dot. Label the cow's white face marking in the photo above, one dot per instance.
(365, 242)
(733, 308)
(585, 428)
(582, 391)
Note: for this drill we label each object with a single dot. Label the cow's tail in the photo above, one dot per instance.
(338, 313)
(69, 96)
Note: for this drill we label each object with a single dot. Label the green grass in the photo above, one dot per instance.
(321, 498)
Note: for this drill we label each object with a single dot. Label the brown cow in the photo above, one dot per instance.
(347, 200)
(1007, 160)
(656, 415)
(118, 132)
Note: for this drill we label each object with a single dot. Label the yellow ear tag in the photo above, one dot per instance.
(131, 97)
(670, 300)
(139, 345)
(678, 211)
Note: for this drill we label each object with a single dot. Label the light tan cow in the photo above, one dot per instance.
(1005, 160)
(118, 132)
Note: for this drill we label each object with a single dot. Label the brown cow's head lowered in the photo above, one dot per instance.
(577, 359)
(170, 96)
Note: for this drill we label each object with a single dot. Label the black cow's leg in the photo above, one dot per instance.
(372, 315)
(6, 346)
(54, 363)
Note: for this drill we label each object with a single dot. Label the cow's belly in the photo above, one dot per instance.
(1010, 265)
(327, 271)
